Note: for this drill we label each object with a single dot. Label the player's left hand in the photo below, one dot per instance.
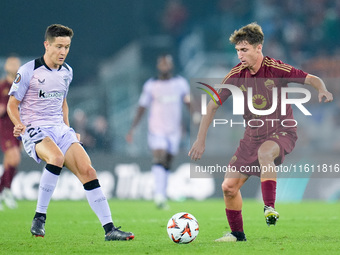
(19, 129)
(197, 150)
(328, 96)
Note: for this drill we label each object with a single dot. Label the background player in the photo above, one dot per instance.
(40, 91)
(10, 145)
(264, 146)
(164, 97)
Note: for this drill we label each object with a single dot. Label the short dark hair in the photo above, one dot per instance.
(166, 56)
(252, 33)
(57, 30)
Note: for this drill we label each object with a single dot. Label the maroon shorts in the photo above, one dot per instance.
(245, 159)
(7, 140)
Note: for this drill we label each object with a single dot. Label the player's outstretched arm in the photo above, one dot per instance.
(138, 117)
(198, 147)
(14, 115)
(320, 86)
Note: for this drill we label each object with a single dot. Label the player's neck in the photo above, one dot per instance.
(50, 63)
(164, 76)
(254, 69)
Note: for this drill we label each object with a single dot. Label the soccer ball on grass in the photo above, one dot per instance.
(182, 228)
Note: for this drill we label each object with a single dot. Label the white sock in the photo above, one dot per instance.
(161, 181)
(99, 205)
(48, 182)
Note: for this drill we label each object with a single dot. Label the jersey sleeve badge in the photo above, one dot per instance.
(17, 78)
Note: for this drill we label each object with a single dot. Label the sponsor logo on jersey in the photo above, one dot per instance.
(41, 81)
(259, 101)
(43, 94)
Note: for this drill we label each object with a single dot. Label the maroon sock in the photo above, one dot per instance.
(1, 184)
(269, 192)
(13, 172)
(235, 220)
(4, 180)
(7, 177)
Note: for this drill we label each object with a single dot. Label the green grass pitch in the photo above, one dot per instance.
(72, 228)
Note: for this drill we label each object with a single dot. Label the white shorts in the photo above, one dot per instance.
(62, 135)
(170, 143)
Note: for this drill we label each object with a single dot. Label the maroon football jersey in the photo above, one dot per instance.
(7, 140)
(272, 73)
(4, 97)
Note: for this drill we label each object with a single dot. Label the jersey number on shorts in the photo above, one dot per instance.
(33, 131)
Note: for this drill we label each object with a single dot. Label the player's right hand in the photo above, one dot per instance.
(325, 94)
(129, 137)
(197, 150)
(19, 129)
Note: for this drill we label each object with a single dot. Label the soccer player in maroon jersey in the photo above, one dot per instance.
(264, 146)
(9, 144)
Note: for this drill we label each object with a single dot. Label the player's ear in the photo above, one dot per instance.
(46, 43)
(259, 47)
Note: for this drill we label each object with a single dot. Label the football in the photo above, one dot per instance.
(182, 228)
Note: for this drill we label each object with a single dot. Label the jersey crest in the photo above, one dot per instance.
(17, 78)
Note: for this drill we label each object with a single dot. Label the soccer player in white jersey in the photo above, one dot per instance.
(164, 97)
(39, 112)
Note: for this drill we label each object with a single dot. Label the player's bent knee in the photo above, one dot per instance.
(229, 189)
(13, 161)
(162, 161)
(57, 160)
(12, 157)
(265, 157)
(88, 173)
(267, 152)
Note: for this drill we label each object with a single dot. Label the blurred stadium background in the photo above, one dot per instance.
(114, 50)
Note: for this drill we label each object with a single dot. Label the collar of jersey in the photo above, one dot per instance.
(43, 61)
